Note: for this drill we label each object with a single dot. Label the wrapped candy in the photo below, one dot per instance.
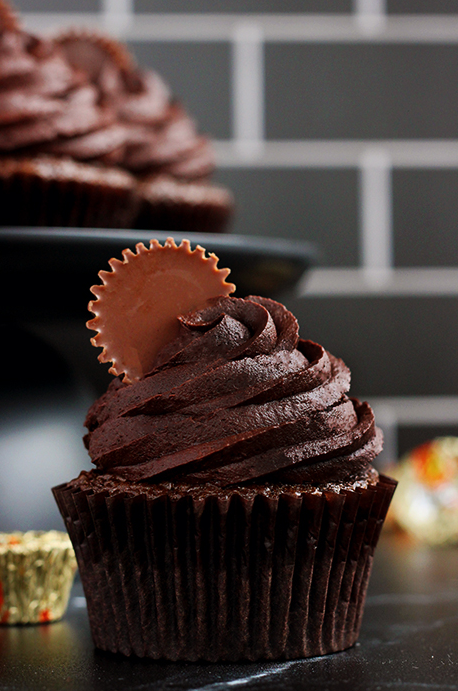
(426, 501)
(36, 576)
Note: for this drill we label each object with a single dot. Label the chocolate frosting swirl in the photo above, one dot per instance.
(237, 397)
(81, 96)
(47, 106)
(160, 137)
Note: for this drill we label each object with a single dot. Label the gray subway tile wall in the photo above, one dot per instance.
(241, 6)
(364, 91)
(299, 204)
(357, 75)
(425, 217)
(394, 346)
(422, 6)
(199, 74)
(58, 6)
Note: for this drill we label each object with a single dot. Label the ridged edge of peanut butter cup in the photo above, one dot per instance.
(140, 299)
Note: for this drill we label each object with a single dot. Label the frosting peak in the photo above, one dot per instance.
(82, 96)
(235, 397)
(44, 101)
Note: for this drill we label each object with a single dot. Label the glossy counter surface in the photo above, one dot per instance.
(409, 640)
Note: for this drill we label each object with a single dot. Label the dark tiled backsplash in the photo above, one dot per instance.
(199, 74)
(425, 217)
(317, 205)
(361, 91)
(241, 6)
(393, 346)
(257, 6)
(321, 205)
(57, 5)
(422, 6)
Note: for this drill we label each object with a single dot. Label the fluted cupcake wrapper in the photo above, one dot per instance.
(182, 216)
(213, 577)
(29, 197)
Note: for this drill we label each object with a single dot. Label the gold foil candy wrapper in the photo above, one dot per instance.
(36, 575)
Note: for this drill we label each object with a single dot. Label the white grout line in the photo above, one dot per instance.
(403, 282)
(117, 6)
(370, 16)
(376, 241)
(248, 90)
(392, 412)
(369, 7)
(338, 153)
(418, 410)
(117, 16)
(304, 28)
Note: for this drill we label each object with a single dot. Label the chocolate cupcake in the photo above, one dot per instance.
(170, 159)
(234, 510)
(81, 98)
(50, 191)
(161, 137)
(56, 138)
(195, 207)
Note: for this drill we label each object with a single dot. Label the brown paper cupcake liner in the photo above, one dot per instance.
(246, 575)
(58, 192)
(169, 204)
(183, 218)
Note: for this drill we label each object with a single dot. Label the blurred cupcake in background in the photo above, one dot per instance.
(163, 149)
(45, 104)
(85, 135)
(426, 501)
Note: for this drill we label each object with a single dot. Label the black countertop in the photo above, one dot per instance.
(409, 640)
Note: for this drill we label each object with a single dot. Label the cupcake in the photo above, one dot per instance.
(84, 134)
(234, 510)
(168, 203)
(47, 191)
(171, 160)
(56, 138)
(36, 575)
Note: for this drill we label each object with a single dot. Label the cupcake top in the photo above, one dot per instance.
(48, 106)
(232, 395)
(161, 137)
(82, 96)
